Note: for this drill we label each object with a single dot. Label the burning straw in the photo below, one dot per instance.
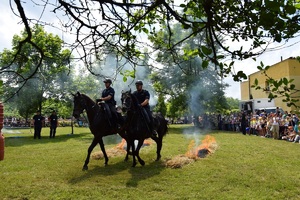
(116, 151)
(208, 146)
(113, 152)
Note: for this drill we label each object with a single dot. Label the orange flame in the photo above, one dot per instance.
(148, 142)
(209, 143)
(122, 144)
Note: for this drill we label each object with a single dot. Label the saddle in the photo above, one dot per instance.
(145, 115)
(105, 107)
(114, 118)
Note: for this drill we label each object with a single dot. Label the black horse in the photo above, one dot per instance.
(99, 124)
(137, 127)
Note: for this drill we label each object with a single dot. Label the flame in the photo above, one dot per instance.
(209, 143)
(122, 144)
(147, 142)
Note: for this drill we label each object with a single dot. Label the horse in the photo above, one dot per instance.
(99, 124)
(137, 127)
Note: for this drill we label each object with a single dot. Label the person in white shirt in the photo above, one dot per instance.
(275, 128)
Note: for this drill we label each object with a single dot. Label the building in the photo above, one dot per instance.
(289, 68)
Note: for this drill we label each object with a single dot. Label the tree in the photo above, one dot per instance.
(125, 25)
(233, 104)
(161, 106)
(46, 81)
(119, 24)
(189, 78)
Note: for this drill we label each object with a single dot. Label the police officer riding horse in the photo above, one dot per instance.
(143, 98)
(109, 104)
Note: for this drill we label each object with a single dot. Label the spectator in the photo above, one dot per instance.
(275, 127)
(243, 123)
(295, 121)
(289, 134)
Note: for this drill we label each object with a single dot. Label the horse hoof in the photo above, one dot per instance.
(158, 158)
(133, 165)
(142, 163)
(85, 168)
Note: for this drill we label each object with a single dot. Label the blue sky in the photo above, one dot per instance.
(10, 25)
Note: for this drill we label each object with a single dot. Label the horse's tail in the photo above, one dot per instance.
(163, 127)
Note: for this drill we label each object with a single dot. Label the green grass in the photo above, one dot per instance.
(243, 167)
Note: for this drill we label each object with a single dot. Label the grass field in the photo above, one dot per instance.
(242, 167)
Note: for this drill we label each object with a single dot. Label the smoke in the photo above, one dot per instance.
(192, 135)
(6, 131)
(204, 92)
(196, 95)
(120, 72)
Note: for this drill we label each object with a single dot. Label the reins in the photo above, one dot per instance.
(135, 109)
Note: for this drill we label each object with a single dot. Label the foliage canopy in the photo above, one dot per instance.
(101, 26)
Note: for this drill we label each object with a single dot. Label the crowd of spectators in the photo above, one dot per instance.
(13, 122)
(277, 125)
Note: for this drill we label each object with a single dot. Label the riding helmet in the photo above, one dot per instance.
(107, 80)
(139, 82)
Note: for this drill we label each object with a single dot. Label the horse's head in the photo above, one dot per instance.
(79, 105)
(126, 100)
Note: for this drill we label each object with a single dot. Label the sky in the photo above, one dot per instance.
(10, 25)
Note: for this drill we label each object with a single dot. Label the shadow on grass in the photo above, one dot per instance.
(104, 170)
(141, 173)
(138, 173)
(16, 141)
(22, 140)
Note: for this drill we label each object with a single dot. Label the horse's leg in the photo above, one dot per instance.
(140, 143)
(127, 150)
(158, 141)
(103, 150)
(133, 152)
(90, 149)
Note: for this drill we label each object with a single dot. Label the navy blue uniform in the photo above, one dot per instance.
(53, 125)
(109, 91)
(116, 119)
(141, 97)
(38, 123)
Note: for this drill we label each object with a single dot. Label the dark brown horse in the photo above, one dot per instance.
(137, 127)
(99, 124)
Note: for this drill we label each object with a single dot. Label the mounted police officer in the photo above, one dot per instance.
(143, 98)
(108, 96)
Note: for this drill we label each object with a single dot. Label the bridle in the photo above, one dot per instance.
(126, 101)
(81, 106)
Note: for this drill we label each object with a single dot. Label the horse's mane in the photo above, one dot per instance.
(134, 99)
(88, 99)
